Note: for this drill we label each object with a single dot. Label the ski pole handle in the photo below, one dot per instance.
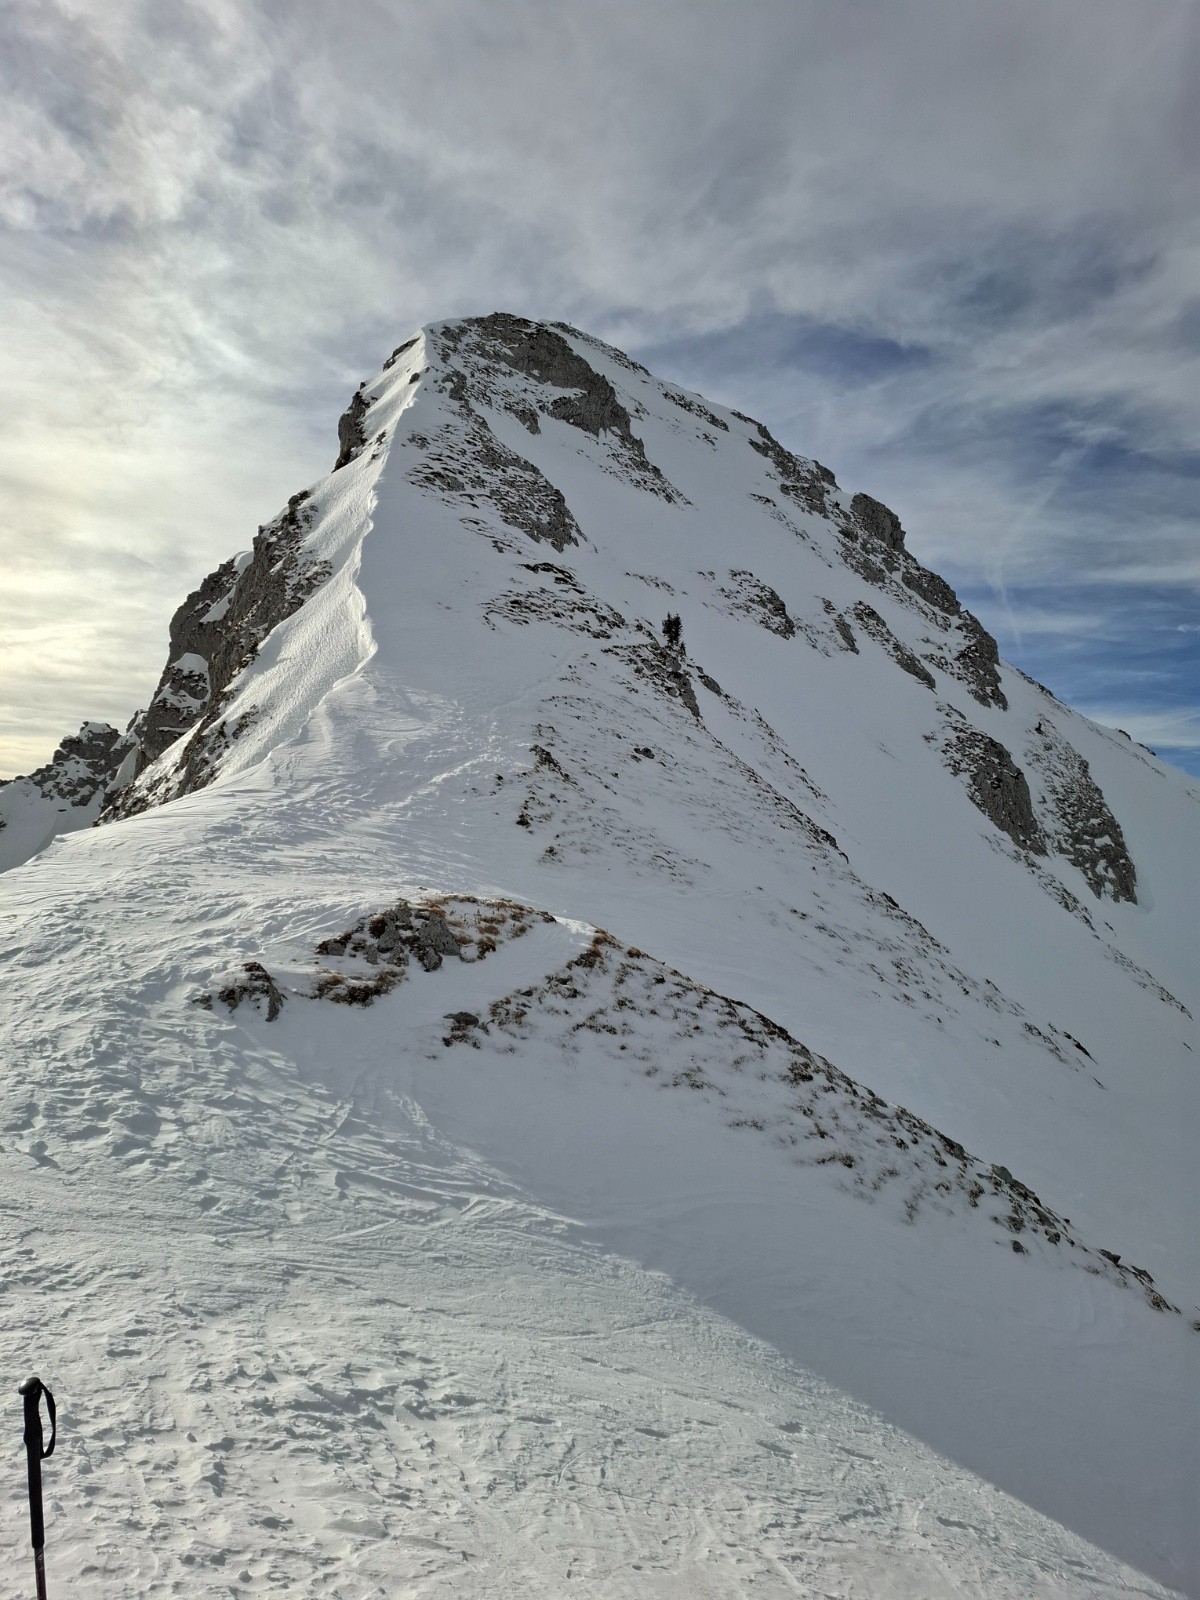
(31, 1392)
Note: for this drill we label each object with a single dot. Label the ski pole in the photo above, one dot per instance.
(31, 1391)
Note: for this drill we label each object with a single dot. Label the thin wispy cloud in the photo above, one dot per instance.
(949, 248)
(1177, 732)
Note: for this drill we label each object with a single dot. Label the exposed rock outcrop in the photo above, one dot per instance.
(84, 763)
(750, 597)
(215, 633)
(804, 481)
(993, 780)
(351, 434)
(882, 559)
(935, 591)
(557, 598)
(1079, 821)
(664, 666)
(878, 521)
(392, 936)
(697, 408)
(64, 795)
(254, 984)
(538, 351)
(977, 663)
(465, 463)
(371, 958)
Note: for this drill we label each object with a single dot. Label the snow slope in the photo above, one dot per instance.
(542, 1262)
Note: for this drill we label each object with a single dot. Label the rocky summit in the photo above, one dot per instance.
(597, 1027)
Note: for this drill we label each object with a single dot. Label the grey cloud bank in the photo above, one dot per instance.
(950, 248)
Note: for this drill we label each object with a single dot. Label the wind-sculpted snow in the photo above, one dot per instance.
(450, 1246)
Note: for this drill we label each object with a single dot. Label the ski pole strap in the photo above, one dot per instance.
(31, 1392)
(50, 1407)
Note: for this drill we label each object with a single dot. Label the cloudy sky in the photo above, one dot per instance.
(950, 247)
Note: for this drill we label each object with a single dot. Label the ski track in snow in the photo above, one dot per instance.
(304, 1343)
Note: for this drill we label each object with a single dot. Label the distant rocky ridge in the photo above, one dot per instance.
(538, 373)
(67, 793)
(85, 764)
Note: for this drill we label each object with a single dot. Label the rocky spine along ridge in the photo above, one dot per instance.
(215, 634)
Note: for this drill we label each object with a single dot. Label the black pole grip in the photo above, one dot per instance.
(31, 1391)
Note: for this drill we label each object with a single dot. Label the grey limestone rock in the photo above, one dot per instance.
(540, 352)
(933, 590)
(753, 598)
(536, 349)
(465, 462)
(665, 668)
(83, 767)
(995, 783)
(391, 929)
(842, 628)
(258, 986)
(1081, 824)
(845, 633)
(977, 663)
(881, 558)
(878, 521)
(351, 435)
(433, 938)
(389, 938)
(807, 482)
(221, 625)
(84, 763)
(697, 408)
(681, 685)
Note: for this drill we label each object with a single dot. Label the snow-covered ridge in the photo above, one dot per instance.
(624, 1011)
(860, 878)
(535, 372)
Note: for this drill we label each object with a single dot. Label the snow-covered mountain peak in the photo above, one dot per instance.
(573, 743)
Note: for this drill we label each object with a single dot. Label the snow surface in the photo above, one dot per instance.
(366, 1301)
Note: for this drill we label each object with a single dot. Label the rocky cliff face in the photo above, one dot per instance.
(215, 635)
(84, 764)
